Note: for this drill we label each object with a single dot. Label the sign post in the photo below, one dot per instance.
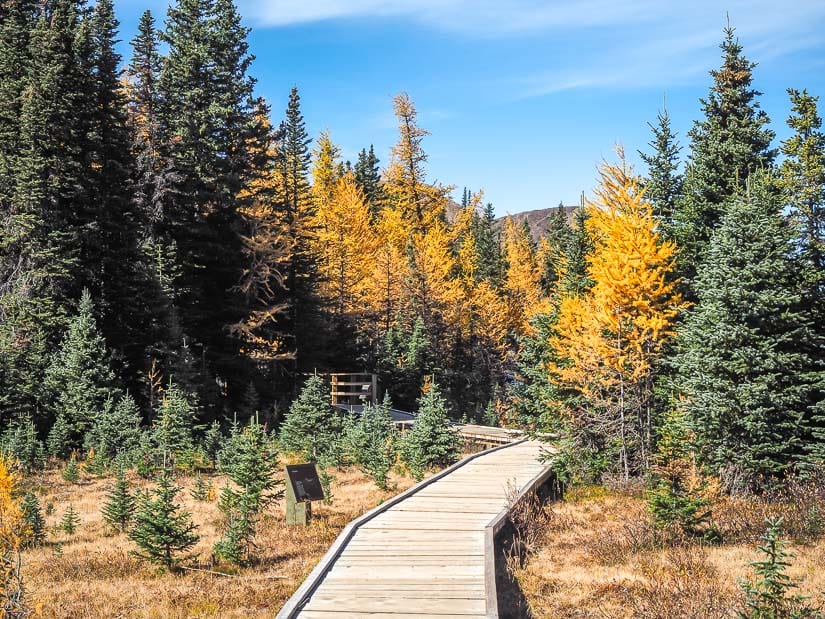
(302, 488)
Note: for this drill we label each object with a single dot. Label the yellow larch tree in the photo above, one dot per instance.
(421, 204)
(13, 531)
(522, 282)
(267, 248)
(610, 338)
(391, 269)
(349, 247)
(325, 160)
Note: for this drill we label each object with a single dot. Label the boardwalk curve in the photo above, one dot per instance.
(429, 551)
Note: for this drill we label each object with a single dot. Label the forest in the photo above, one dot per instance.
(176, 258)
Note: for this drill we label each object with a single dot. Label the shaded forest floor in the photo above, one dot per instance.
(599, 555)
(91, 573)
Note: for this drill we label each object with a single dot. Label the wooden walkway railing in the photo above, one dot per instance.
(428, 552)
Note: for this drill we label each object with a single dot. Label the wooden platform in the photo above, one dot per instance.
(427, 553)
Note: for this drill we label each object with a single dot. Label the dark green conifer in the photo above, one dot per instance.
(743, 359)
(19, 440)
(70, 472)
(311, 426)
(663, 183)
(70, 520)
(119, 507)
(368, 178)
(729, 143)
(163, 532)
(36, 532)
(116, 429)
(371, 441)
(431, 441)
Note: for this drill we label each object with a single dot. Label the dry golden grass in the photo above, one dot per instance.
(91, 573)
(602, 557)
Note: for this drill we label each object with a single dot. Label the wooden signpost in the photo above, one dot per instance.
(304, 487)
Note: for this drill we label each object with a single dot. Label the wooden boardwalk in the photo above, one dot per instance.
(428, 552)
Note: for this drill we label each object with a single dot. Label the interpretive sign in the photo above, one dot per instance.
(303, 487)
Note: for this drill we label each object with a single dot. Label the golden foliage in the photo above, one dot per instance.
(523, 277)
(611, 337)
(13, 532)
(346, 246)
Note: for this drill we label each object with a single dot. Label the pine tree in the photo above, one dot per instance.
(730, 143)
(70, 520)
(119, 507)
(677, 496)
(431, 441)
(33, 517)
(80, 377)
(163, 532)
(802, 173)
(311, 425)
(743, 357)
(663, 184)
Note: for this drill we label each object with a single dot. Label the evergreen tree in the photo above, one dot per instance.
(769, 595)
(488, 246)
(552, 250)
(293, 161)
(70, 472)
(116, 429)
(371, 441)
(163, 532)
(59, 439)
(119, 506)
(802, 174)
(730, 143)
(20, 441)
(431, 441)
(368, 178)
(201, 489)
(70, 520)
(743, 357)
(172, 428)
(574, 278)
(253, 471)
(663, 184)
(33, 517)
(80, 377)
(311, 425)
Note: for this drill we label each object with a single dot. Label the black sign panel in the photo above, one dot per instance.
(305, 482)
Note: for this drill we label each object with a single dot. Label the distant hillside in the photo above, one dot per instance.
(539, 219)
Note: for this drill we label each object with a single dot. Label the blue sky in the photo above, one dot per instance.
(523, 97)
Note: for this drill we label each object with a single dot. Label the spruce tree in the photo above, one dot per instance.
(163, 532)
(728, 144)
(368, 178)
(663, 184)
(311, 425)
(19, 440)
(555, 243)
(575, 280)
(80, 377)
(70, 472)
(172, 427)
(253, 472)
(371, 441)
(33, 517)
(119, 507)
(743, 359)
(488, 244)
(292, 164)
(70, 520)
(116, 429)
(431, 441)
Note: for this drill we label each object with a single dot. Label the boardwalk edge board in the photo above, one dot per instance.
(490, 533)
(302, 596)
